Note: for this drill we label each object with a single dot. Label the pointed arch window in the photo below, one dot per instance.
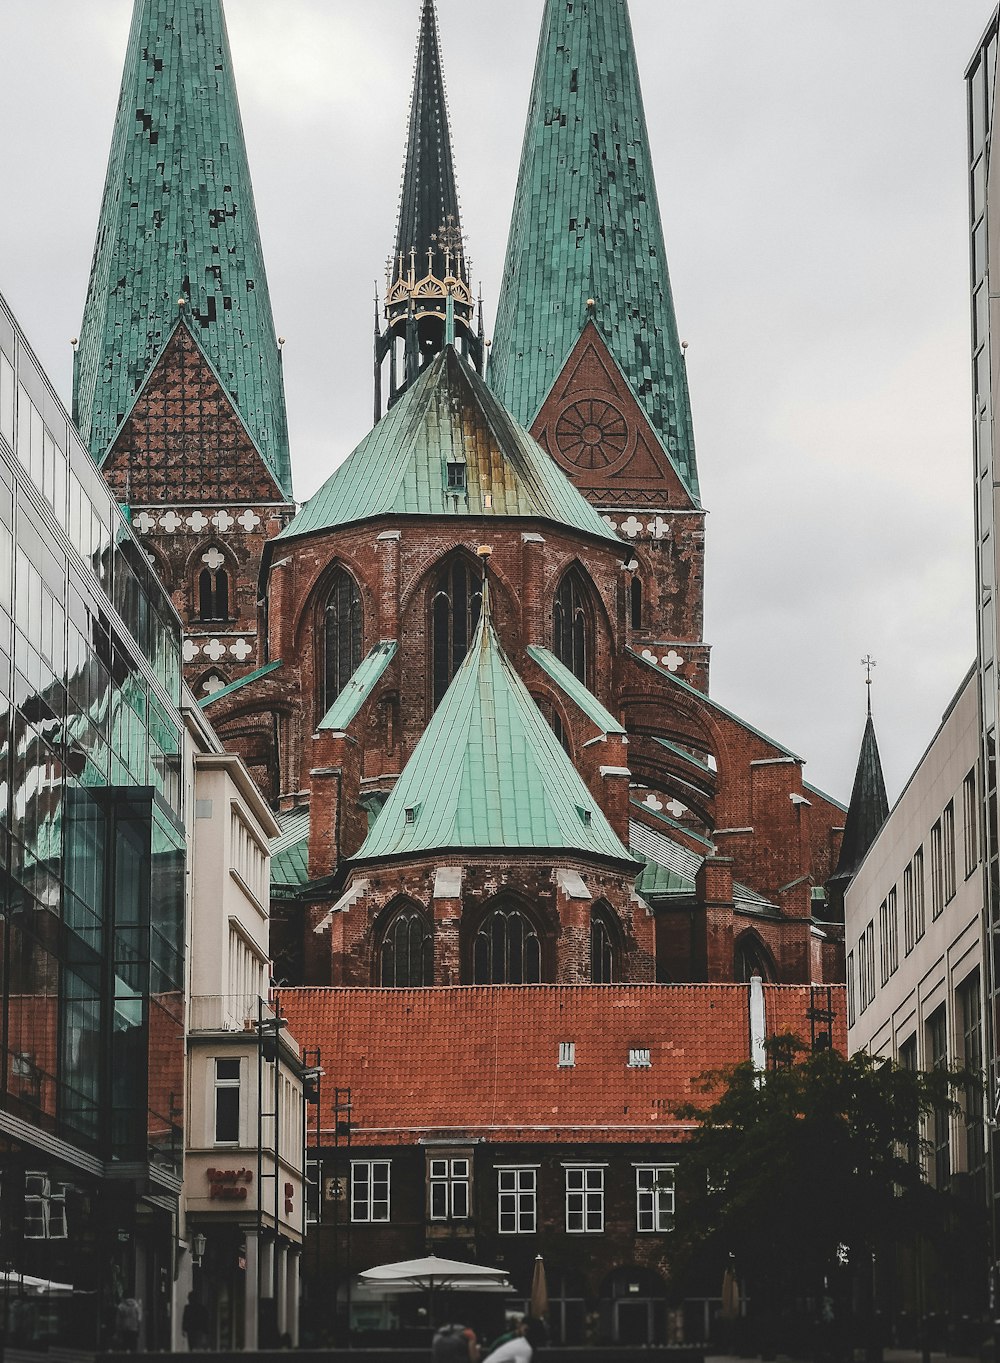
(506, 949)
(604, 955)
(635, 602)
(456, 599)
(571, 627)
(213, 586)
(752, 957)
(342, 633)
(406, 954)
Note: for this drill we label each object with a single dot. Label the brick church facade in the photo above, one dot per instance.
(469, 674)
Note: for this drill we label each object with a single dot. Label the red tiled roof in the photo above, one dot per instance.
(483, 1061)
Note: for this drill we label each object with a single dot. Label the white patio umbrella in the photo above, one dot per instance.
(432, 1274)
(35, 1287)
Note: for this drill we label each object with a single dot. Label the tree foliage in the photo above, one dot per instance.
(813, 1165)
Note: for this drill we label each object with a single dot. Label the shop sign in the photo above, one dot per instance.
(228, 1185)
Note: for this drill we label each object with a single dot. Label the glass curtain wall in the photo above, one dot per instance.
(91, 874)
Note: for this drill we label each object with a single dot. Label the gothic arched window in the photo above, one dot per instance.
(571, 642)
(635, 602)
(342, 632)
(406, 956)
(456, 599)
(752, 957)
(213, 593)
(506, 949)
(603, 948)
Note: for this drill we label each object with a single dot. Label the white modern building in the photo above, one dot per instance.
(913, 922)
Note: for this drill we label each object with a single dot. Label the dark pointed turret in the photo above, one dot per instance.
(867, 812)
(586, 232)
(178, 236)
(429, 299)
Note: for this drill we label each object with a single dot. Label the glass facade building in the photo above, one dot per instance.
(92, 866)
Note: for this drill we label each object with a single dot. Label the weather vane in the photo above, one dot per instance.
(868, 662)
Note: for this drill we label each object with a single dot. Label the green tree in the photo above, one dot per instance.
(806, 1177)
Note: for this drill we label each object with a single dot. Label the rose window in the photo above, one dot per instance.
(591, 434)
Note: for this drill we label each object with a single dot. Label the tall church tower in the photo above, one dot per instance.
(586, 350)
(428, 300)
(178, 383)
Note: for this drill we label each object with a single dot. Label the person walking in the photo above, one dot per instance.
(128, 1318)
(529, 1335)
(195, 1324)
(454, 1344)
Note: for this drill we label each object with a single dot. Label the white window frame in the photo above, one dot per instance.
(655, 1198)
(371, 1190)
(218, 1084)
(449, 1185)
(44, 1207)
(517, 1198)
(584, 1199)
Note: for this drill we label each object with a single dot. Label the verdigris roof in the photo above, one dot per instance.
(359, 688)
(449, 416)
(488, 773)
(178, 221)
(586, 225)
(290, 850)
(571, 685)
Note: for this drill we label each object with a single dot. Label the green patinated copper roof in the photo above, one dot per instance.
(240, 682)
(586, 224)
(489, 773)
(178, 220)
(290, 850)
(671, 869)
(573, 687)
(359, 688)
(449, 416)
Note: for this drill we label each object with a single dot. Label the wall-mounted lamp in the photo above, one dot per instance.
(198, 1246)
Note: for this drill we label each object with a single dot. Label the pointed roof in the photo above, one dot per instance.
(429, 198)
(868, 810)
(488, 772)
(586, 225)
(178, 221)
(448, 417)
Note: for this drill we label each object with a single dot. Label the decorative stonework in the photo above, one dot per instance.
(672, 661)
(173, 522)
(592, 434)
(215, 648)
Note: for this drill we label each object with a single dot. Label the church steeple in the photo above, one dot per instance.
(867, 812)
(178, 240)
(586, 226)
(429, 299)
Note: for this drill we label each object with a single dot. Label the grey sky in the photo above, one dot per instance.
(810, 165)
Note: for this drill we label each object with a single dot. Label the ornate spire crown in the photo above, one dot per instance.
(429, 301)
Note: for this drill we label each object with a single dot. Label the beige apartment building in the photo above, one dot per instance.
(913, 924)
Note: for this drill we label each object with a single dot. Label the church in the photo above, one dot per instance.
(632, 829)
(469, 674)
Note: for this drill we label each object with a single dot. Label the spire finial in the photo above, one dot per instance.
(868, 662)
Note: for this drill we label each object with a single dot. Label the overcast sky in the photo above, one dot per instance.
(810, 160)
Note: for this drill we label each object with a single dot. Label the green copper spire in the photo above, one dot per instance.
(586, 226)
(488, 773)
(178, 223)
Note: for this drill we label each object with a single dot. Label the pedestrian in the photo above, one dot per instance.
(528, 1336)
(128, 1318)
(454, 1344)
(194, 1323)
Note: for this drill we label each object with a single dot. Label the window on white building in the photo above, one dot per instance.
(948, 829)
(655, 1193)
(517, 1200)
(227, 1101)
(970, 818)
(369, 1190)
(584, 1199)
(937, 871)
